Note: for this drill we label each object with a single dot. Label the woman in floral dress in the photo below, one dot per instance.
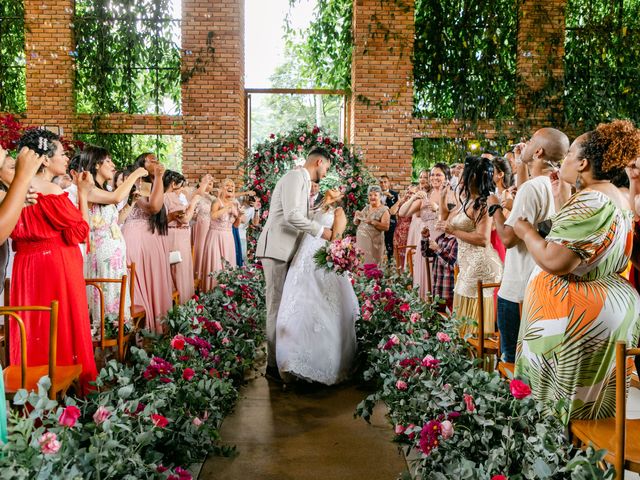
(577, 305)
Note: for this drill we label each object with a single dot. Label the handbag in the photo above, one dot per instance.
(175, 257)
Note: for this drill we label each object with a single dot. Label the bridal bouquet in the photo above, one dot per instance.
(340, 256)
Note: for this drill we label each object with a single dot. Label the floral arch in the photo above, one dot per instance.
(272, 158)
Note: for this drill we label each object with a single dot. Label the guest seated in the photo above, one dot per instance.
(577, 306)
(372, 222)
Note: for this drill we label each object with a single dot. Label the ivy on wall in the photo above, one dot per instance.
(127, 56)
(602, 61)
(13, 81)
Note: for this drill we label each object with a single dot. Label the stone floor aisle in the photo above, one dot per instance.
(304, 435)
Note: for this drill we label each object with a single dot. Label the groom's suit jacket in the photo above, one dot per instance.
(288, 217)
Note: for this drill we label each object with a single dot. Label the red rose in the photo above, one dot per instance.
(69, 416)
(188, 374)
(499, 477)
(159, 421)
(177, 342)
(519, 389)
(195, 297)
(404, 307)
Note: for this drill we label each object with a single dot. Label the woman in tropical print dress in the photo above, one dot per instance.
(577, 305)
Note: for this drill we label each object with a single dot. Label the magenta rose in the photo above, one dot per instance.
(499, 477)
(49, 443)
(519, 389)
(188, 373)
(69, 416)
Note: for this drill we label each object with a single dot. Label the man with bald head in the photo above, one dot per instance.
(534, 201)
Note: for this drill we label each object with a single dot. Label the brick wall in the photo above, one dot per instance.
(213, 121)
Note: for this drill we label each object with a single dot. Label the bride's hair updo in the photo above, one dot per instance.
(41, 141)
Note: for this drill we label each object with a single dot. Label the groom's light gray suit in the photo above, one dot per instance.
(288, 221)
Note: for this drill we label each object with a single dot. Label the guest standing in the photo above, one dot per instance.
(202, 219)
(250, 215)
(372, 222)
(48, 264)
(219, 244)
(577, 306)
(389, 198)
(471, 225)
(402, 227)
(415, 227)
(144, 233)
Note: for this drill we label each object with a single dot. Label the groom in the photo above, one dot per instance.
(288, 221)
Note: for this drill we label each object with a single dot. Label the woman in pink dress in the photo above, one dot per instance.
(48, 263)
(202, 219)
(180, 211)
(219, 245)
(408, 210)
(143, 233)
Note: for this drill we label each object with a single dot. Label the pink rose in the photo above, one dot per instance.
(401, 385)
(226, 341)
(443, 337)
(468, 400)
(188, 373)
(69, 416)
(102, 413)
(177, 342)
(197, 422)
(399, 429)
(415, 317)
(49, 443)
(393, 340)
(217, 325)
(519, 389)
(446, 429)
(159, 420)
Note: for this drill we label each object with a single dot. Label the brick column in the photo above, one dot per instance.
(213, 106)
(540, 67)
(382, 86)
(49, 39)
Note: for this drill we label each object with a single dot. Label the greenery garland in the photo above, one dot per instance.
(280, 152)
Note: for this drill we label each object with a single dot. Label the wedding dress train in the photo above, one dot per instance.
(315, 332)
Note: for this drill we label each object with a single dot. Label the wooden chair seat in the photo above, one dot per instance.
(506, 369)
(602, 435)
(65, 376)
(491, 345)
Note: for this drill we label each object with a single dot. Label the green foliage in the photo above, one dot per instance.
(124, 147)
(127, 56)
(465, 58)
(13, 81)
(323, 50)
(602, 58)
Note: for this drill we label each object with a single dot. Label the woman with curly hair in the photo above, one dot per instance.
(577, 305)
(471, 225)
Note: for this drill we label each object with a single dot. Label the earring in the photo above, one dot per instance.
(579, 181)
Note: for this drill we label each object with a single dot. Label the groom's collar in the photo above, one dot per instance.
(307, 175)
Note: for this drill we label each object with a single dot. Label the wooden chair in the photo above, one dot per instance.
(4, 338)
(175, 297)
(506, 369)
(410, 249)
(122, 339)
(62, 377)
(484, 346)
(617, 435)
(138, 314)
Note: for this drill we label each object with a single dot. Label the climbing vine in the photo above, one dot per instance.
(13, 81)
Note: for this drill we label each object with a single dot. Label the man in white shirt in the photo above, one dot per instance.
(534, 202)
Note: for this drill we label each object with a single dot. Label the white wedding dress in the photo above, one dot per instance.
(315, 330)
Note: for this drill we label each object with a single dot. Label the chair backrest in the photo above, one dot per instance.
(481, 287)
(97, 284)
(622, 352)
(14, 312)
(132, 281)
(408, 257)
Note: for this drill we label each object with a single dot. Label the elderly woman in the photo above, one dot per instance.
(372, 221)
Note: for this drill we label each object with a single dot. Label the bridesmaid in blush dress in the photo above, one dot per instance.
(144, 233)
(200, 228)
(180, 211)
(219, 245)
(48, 264)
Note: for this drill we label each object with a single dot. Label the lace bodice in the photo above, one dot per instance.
(475, 262)
(225, 221)
(203, 210)
(137, 213)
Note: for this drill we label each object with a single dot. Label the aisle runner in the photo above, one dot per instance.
(295, 435)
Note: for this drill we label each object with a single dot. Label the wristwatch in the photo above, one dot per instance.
(492, 209)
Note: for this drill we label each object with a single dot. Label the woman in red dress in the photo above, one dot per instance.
(48, 264)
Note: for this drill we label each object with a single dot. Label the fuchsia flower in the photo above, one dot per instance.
(499, 477)
(393, 340)
(188, 373)
(468, 400)
(429, 436)
(49, 443)
(69, 416)
(405, 307)
(159, 420)
(102, 414)
(519, 389)
(430, 362)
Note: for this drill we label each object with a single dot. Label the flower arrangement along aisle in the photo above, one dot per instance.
(280, 152)
(453, 418)
(149, 419)
(340, 256)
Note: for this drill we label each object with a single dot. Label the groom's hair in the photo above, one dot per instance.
(319, 152)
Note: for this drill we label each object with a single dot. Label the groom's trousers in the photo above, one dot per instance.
(275, 273)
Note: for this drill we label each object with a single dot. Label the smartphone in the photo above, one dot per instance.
(145, 189)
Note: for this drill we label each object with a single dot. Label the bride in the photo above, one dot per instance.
(315, 333)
